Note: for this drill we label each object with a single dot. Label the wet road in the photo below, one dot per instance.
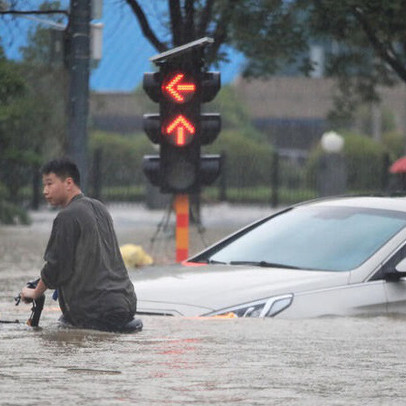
(180, 361)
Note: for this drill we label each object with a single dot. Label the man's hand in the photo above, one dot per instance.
(28, 294)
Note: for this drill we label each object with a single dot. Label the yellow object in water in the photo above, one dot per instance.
(134, 255)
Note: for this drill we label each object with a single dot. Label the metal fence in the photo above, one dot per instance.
(291, 179)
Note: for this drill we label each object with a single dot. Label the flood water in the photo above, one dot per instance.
(181, 361)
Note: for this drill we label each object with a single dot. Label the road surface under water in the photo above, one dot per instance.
(182, 361)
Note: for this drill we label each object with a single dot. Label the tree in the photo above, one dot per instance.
(365, 42)
(32, 112)
(12, 90)
(369, 45)
(366, 39)
(229, 22)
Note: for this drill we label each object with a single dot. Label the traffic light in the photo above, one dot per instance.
(180, 87)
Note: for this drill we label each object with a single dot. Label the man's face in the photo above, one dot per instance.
(56, 189)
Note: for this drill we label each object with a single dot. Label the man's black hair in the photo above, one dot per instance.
(63, 168)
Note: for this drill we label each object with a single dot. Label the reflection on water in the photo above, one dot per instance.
(179, 361)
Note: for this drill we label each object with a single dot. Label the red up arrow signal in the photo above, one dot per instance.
(180, 127)
(177, 90)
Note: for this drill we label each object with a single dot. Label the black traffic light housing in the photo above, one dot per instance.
(180, 87)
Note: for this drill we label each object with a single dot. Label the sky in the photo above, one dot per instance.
(126, 52)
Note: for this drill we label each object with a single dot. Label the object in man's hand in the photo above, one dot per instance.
(37, 305)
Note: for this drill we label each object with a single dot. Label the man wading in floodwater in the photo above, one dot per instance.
(83, 260)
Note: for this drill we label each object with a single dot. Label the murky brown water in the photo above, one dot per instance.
(179, 361)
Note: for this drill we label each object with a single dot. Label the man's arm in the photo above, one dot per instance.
(61, 250)
(28, 294)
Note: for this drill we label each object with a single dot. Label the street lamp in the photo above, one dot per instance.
(332, 169)
(331, 142)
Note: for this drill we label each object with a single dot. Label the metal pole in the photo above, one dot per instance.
(78, 101)
(182, 227)
(275, 179)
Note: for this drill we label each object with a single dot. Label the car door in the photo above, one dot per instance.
(395, 287)
(396, 294)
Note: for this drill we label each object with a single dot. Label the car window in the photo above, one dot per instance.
(321, 238)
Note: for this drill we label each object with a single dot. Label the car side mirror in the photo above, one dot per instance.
(400, 268)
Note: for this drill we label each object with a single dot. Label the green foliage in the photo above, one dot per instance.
(368, 51)
(271, 35)
(291, 175)
(121, 157)
(248, 161)
(32, 112)
(394, 141)
(11, 214)
(365, 163)
(29, 122)
(124, 193)
(260, 195)
(12, 90)
(11, 85)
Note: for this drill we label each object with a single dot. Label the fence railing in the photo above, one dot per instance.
(290, 181)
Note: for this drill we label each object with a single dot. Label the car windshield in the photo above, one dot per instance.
(320, 238)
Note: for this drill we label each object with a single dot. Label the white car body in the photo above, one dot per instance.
(218, 289)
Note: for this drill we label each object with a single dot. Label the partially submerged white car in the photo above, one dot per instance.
(339, 256)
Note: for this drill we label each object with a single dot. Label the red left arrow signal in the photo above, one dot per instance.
(179, 91)
(181, 128)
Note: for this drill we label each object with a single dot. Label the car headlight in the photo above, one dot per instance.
(260, 308)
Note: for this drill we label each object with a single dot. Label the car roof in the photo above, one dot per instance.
(373, 202)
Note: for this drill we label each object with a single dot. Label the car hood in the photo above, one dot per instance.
(196, 290)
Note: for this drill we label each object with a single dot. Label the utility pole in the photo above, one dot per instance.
(78, 60)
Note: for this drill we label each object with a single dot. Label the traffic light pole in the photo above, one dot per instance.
(180, 128)
(182, 227)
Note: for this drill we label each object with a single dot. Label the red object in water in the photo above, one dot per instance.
(399, 166)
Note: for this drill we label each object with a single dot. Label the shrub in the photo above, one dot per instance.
(248, 162)
(11, 214)
(365, 163)
(395, 142)
(121, 157)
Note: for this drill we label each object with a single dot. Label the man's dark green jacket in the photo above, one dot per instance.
(83, 261)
